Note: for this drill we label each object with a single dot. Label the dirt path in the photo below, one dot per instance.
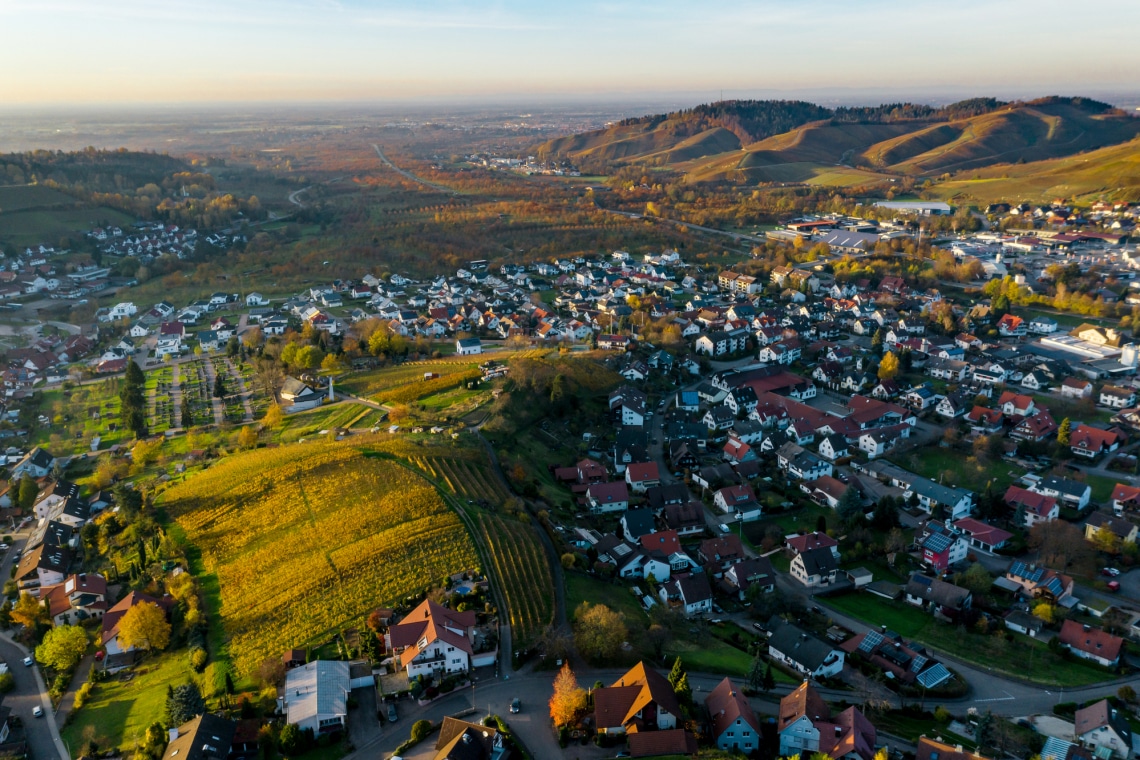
(215, 403)
(244, 391)
(176, 395)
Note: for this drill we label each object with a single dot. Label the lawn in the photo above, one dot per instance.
(1024, 657)
(712, 656)
(1102, 487)
(957, 468)
(582, 588)
(118, 712)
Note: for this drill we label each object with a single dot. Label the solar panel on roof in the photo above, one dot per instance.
(937, 542)
(919, 661)
(1054, 586)
(934, 675)
(870, 641)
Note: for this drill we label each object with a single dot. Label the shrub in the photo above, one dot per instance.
(198, 658)
(420, 730)
(82, 695)
(7, 683)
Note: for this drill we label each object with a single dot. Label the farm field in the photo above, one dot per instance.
(47, 225)
(304, 540)
(514, 550)
(372, 382)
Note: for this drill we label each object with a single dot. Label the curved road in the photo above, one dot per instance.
(409, 175)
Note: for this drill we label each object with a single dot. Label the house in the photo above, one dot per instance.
(952, 406)
(1091, 643)
(982, 535)
(641, 476)
(808, 541)
(1101, 728)
(433, 639)
(985, 421)
(735, 727)
(1023, 622)
(799, 713)
(803, 652)
(941, 548)
(732, 499)
(1124, 530)
(1071, 492)
(815, 567)
(608, 497)
(691, 593)
(742, 576)
(720, 553)
(80, 597)
(111, 619)
(206, 737)
(298, 396)
(256, 299)
(1076, 388)
(832, 447)
(315, 696)
(800, 463)
(673, 742)
(1115, 397)
(36, 464)
(460, 740)
(939, 597)
(468, 346)
(636, 523)
(1034, 507)
(1037, 428)
(905, 663)
(1036, 582)
(1089, 442)
(1042, 325)
(1125, 499)
(929, 749)
(642, 700)
(686, 518)
(1016, 404)
(1012, 326)
(877, 442)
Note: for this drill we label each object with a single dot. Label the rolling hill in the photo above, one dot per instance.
(738, 141)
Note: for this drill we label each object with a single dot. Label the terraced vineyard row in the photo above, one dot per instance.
(515, 552)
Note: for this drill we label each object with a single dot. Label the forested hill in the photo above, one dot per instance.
(788, 140)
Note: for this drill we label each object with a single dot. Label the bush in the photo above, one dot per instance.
(7, 683)
(420, 730)
(1065, 709)
(83, 694)
(198, 659)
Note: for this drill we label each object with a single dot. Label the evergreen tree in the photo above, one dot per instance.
(676, 673)
(684, 691)
(877, 341)
(769, 679)
(187, 414)
(184, 703)
(219, 386)
(1065, 432)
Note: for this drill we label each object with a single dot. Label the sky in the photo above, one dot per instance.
(107, 52)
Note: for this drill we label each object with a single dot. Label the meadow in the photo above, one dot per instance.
(304, 540)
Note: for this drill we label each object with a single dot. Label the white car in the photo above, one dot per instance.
(37, 712)
(4, 547)
(28, 662)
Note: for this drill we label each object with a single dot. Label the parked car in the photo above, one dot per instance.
(1111, 572)
(37, 712)
(3, 547)
(392, 716)
(28, 662)
(1114, 586)
(516, 705)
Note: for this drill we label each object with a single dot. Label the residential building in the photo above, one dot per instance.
(691, 593)
(460, 740)
(1103, 729)
(432, 639)
(1091, 643)
(608, 497)
(1069, 492)
(804, 653)
(1034, 507)
(206, 737)
(1124, 530)
(315, 696)
(641, 700)
(815, 567)
(942, 599)
(468, 346)
(735, 727)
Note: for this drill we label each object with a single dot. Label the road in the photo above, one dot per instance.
(294, 197)
(409, 175)
(42, 733)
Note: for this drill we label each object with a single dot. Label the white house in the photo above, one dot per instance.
(804, 653)
(433, 640)
(256, 299)
(467, 346)
(316, 696)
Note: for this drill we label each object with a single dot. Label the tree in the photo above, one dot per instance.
(309, 357)
(132, 400)
(274, 417)
(1105, 540)
(877, 341)
(568, 699)
(252, 338)
(184, 703)
(769, 679)
(144, 626)
(599, 632)
(27, 493)
(233, 346)
(1044, 612)
(154, 741)
(676, 672)
(28, 612)
(889, 366)
(247, 437)
(1065, 432)
(850, 504)
(145, 453)
(187, 414)
(684, 691)
(756, 673)
(332, 363)
(977, 579)
(62, 648)
(219, 386)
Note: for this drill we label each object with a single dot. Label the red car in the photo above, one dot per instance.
(1113, 586)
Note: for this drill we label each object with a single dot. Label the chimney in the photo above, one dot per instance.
(173, 734)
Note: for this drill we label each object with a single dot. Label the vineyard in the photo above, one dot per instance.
(307, 539)
(514, 553)
(373, 382)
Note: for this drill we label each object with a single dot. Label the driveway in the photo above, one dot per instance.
(363, 727)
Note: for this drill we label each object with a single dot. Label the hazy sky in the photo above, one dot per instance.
(107, 52)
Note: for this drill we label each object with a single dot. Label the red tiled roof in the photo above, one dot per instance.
(1094, 641)
(642, 471)
(808, 541)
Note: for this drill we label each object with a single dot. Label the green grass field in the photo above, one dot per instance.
(581, 588)
(118, 712)
(957, 468)
(34, 226)
(1024, 657)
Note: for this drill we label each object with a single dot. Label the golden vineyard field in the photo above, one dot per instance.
(308, 539)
